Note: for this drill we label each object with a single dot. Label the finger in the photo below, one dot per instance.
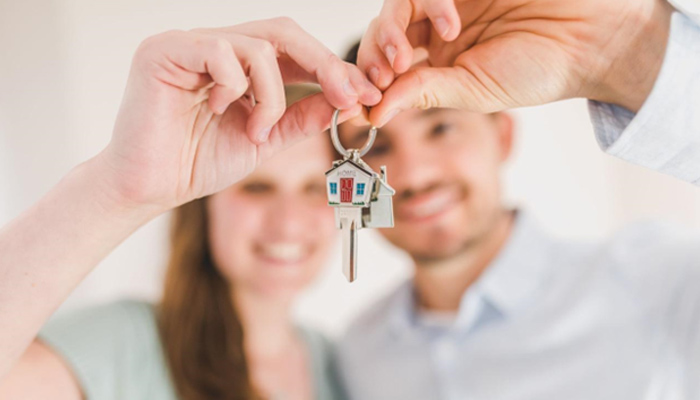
(372, 61)
(292, 73)
(444, 17)
(370, 95)
(390, 33)
(424, 88)
(309, 116)
(313, 57)
(360, 120)
(192, 60)
(259, 59)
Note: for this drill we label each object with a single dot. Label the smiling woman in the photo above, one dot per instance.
(239, 258)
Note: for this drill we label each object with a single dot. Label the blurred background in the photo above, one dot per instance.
(63, 67)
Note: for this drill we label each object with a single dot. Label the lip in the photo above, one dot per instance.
(428, 207)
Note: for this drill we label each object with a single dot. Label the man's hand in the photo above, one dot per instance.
(203, 108)
(489, 55)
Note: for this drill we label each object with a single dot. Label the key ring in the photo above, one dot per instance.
(339, 147)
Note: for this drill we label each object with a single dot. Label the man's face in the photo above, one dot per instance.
(445, 166)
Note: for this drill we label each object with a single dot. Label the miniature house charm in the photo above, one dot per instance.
(361, 197)
(353, 184)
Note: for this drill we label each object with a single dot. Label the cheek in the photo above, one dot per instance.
(324, 225)
(479, 162)
(233, 225)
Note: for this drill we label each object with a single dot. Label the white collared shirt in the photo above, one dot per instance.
(548, 320)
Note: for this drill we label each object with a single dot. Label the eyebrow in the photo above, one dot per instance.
(359, 134)
(431, 111)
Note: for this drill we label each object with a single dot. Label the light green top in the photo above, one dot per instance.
(115, 352)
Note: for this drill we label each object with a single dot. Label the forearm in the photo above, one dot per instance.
(49, 249)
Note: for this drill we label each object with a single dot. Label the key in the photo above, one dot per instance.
(361, 197)
(350, 223)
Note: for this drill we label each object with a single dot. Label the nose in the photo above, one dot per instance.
(288, 217)
(414, 167)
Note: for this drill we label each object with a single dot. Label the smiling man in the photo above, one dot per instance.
(497, 308)
(445, 166)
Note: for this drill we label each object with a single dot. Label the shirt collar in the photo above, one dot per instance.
(514, 277)
(520, 269)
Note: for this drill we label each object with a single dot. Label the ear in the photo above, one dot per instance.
(505, 127)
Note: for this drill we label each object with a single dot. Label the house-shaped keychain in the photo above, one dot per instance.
(362, 199)
(353, 184)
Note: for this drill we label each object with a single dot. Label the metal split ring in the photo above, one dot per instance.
(339, 147)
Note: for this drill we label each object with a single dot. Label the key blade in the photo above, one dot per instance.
(349, 233)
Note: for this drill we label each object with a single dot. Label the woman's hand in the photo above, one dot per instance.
(489, 55)
(203, 108)
(186, 128)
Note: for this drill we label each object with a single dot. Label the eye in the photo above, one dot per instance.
(378, 150)
(441, 129)
(256, 187)
(316, 188)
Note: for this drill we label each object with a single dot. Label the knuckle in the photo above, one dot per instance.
(274, 108)
(375, 24)
(385, 29)
(428, 99)
(240, 86)
(266, 49)
(333, 66)
(220, 47)
(278, 107)
(150, 48)
(286, 23)
(200, 30)
(153, 43)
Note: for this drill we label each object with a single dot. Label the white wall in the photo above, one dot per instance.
(62, 71)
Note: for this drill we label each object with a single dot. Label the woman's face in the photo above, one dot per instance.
(270, 233)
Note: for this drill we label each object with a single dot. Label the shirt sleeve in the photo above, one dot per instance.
(665, 134)
(112, 350)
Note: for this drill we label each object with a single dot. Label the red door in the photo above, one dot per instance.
(346, 186)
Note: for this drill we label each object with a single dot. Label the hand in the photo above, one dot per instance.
(187, 126)
(489, 55)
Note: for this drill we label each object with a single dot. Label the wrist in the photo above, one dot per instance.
(112, 198)
(633, 72)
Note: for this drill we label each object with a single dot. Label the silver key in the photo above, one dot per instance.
(361, 197)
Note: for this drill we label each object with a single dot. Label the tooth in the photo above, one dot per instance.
(284, 251)
(433, 206)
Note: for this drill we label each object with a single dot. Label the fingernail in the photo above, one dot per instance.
(442, 26)
(390, 52)
(348, 89)
(388, 117)
(263, 135)
(374, 75)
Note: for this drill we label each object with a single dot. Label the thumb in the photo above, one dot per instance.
(309, 116)
(431, 87)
